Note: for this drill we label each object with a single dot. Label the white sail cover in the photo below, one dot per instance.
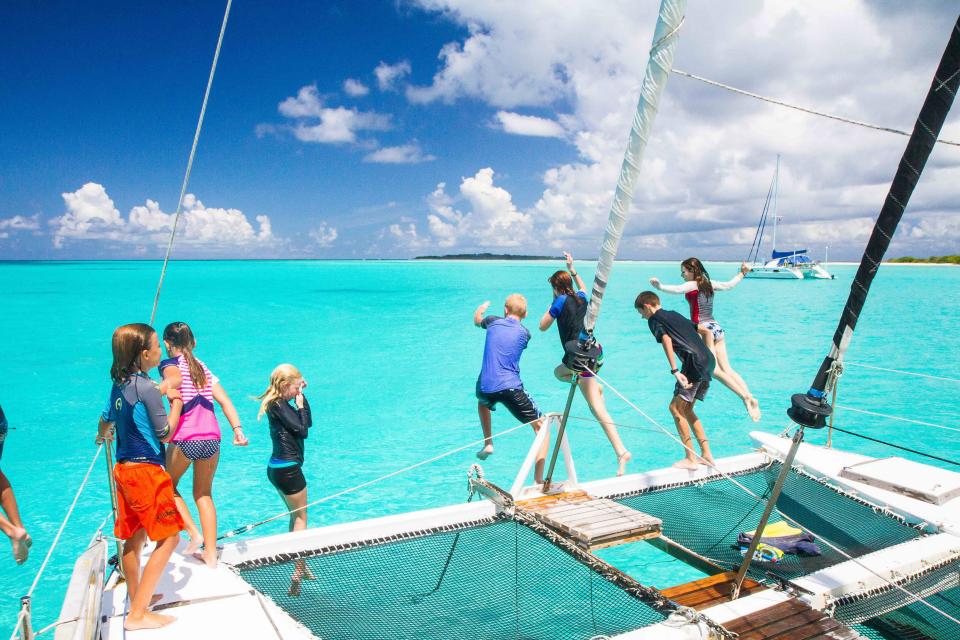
(665, 38)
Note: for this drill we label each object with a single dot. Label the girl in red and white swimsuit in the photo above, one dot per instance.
(699, 289)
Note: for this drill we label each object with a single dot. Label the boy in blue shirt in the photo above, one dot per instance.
(499, 380)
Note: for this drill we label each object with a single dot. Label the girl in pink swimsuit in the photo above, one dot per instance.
(196, 439)
(699, 290)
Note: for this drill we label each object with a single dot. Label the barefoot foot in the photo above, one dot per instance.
(193, 546)
(485, 452)
(209, 559)
(148, 620)
(21, 542)
(622, 461)
(686, 463)
(753, 408)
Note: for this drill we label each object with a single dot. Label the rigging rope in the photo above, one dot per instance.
(803, 109)
(896, 446)
(786, 517)
(906, 373)
(63, 524)
(249, 527)
(889, 417)
(193, 151)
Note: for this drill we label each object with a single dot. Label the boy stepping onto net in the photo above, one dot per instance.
(680, 340)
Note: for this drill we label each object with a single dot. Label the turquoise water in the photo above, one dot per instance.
(391, 355)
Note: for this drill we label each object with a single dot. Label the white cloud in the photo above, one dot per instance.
(491, 221)
(19, 223)
(389, 74)
(406, 236)
(306, 104)
(324, 235)
(522, 125)
(711, 154)
(355, 88)
(91, 214)
(403, 154)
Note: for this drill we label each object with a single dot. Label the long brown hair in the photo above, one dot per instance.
(700, 275)
(562, 282)
(179, 335)
(129, 343)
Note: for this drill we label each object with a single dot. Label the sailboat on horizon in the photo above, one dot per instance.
(782, 265)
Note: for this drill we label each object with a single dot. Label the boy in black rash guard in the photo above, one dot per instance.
(680, 339)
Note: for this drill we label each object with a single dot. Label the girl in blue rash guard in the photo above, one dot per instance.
(12, 525)
(569, 309)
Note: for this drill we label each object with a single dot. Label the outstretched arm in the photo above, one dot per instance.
(732, 282)
(673, 288)
(546, 321)
(573, 272)
(478, 313)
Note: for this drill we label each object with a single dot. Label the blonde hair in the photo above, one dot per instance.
(517, 305)
(280, 377)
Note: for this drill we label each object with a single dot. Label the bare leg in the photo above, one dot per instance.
(177, 465)
(203, 471)
(132, 547)
(298, 522)
(678, 409)
(730, 382)
(723, 363)
(694, 421)
(139, 617)
(542, 454)
(485, 423)
(12, 525)
(593, 394)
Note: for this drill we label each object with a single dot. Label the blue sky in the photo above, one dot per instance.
(394, 129)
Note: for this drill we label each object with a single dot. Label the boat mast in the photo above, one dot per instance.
(811, 409)
(776, 215)
(659, 65)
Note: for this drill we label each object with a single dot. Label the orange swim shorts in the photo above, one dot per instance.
(145, 501)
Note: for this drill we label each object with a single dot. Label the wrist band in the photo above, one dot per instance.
(573, 273)
(674, 371)
(237, 427)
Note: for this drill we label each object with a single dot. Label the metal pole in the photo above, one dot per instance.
(771, 503)
(113, 503)
(833, 403)
(563, 425)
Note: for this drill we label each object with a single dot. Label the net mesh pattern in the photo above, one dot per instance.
(707, 518)
(502, 581)
(914, 621)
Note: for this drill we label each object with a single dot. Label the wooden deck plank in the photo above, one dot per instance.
(592, 522)
(706, 592)
(790, 620)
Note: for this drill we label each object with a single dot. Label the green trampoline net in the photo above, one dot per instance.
(706, 518)
(502, 580)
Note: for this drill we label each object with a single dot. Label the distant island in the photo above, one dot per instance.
(930, 260)
(487, 256)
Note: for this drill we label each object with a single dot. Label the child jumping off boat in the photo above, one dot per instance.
(569, 309)
(699, 291)
(680, 340)
(289, 427)
(145, 502)
(12, 525)
(499, 380)
(196, 440)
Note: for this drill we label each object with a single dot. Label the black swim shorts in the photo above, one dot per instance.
(696, 391)
(517, 401)
(287, 480)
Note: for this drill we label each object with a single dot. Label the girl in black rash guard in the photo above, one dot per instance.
(569, 309)
(289, 427)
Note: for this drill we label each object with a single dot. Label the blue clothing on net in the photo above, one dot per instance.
(506, 340)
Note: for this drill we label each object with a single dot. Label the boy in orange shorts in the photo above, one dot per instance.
(145, 506)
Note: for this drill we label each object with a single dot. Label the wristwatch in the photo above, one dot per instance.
(673, 372)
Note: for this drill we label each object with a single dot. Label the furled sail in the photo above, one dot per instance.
(665, 38)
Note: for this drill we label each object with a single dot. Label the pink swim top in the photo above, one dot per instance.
(197, 419)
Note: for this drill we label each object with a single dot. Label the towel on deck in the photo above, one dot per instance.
(783, 537)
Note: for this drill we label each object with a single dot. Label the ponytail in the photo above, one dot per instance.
(179, 335)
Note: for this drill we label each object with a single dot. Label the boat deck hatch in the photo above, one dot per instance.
(592, 523)
(908, 478)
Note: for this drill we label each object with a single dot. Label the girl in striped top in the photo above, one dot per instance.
(699, 290)
(196, 439)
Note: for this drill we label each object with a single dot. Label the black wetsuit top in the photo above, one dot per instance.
(3, 430)
(698, 362)
(570, 320)
(288, 430)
